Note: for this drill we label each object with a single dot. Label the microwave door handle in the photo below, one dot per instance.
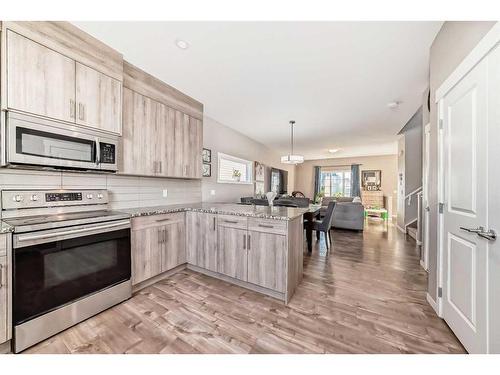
(98, 151)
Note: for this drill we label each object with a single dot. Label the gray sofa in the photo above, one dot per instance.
(347, 214)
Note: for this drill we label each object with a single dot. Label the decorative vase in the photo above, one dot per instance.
(270, 197)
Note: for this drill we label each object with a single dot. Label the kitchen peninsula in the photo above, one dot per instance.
(256, 247)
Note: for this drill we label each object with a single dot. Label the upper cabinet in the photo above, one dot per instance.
(98, 100)
(39, 80)
(162, 128)
(55, 70)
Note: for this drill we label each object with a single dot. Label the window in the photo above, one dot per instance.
(336, 182)
(233, 170)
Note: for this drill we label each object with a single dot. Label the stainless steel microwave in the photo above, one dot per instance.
(34, 141)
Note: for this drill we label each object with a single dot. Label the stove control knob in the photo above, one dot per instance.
(34, 197)
(17, 198)
(100, 196)
(90, 196)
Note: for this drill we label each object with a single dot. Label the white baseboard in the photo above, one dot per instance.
(422, 264)
(400, 229)
(432, 303)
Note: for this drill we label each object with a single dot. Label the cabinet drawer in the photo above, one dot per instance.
(156, 220)
(232, 221)
(267, 225)
(3, 244)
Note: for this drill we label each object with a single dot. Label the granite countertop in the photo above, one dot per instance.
(263, 212)
(5, 228)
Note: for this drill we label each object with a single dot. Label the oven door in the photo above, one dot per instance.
(53, 268)
(36, 141)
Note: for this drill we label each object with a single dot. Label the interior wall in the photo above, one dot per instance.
(452, 44)
(401, 183)
(124, 191)
(220, 138)
(388, 164)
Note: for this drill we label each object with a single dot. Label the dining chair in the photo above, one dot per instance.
(324, 225)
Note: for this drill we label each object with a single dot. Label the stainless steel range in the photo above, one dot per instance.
(71, 259)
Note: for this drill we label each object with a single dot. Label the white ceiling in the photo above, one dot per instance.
(333, 78)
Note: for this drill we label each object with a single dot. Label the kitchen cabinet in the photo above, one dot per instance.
(160, 130)
(145, 254)
(267, 260)
(98, 100)
(40, 81)
(44, 82)
(5, 288)
(202, 240)
(173, 247)
(158, 245)
(232, 249)
(158, 140)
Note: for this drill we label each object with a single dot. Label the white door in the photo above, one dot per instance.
(465, 191)
(425, 197)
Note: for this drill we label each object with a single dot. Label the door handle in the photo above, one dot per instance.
(244, 242)
(473, 230)
(489, 235)
(248, 242)
(214, 223)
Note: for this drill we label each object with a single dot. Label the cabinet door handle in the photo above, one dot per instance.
(160, 166)
(248, 242)
(214, 223)
(244, 241)
(1, 275)
(231, 221)
(154, 167)
(166, 235)
(266, 226)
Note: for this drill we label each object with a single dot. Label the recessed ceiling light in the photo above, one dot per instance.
(333, 150)
(182, 44)
(393, 105)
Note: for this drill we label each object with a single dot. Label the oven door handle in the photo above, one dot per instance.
(34, 237)
(98, 151)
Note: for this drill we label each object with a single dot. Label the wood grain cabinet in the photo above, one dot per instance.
(158, 245)
(267, 254)
(98, 100)
(202, 240)
(40, 81)
(158, 140)
(5, 291)
(47, 83)
(232, 248)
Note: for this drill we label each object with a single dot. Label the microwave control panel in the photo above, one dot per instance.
(108, 153)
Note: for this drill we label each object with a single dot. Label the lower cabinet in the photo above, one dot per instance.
(201, 240)
(232, 255)
(158, 245)
(255, 256)
(267, 260)
(5, 288)
(3, 299)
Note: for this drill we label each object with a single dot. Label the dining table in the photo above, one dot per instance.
(312, 213)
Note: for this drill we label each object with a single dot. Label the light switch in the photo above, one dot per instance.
(165, 193)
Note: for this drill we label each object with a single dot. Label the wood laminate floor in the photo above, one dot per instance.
(367, 295)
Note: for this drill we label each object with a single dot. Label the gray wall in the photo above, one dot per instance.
(452, 44)
(410, 165)
(220, 138)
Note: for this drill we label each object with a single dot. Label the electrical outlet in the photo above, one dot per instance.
(165, 193)
(212, 192)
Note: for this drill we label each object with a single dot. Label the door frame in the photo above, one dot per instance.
(425, 197)
(482, 49)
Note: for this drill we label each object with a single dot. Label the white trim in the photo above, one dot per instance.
(485, 45)
(248, 163)
(441, 196)
(433, 304)
(422, 264)
(400, 229)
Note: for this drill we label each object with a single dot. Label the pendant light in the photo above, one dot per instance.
(291, 158)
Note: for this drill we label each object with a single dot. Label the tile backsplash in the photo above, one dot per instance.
(124, 191)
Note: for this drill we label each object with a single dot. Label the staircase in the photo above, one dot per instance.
(412, 231)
